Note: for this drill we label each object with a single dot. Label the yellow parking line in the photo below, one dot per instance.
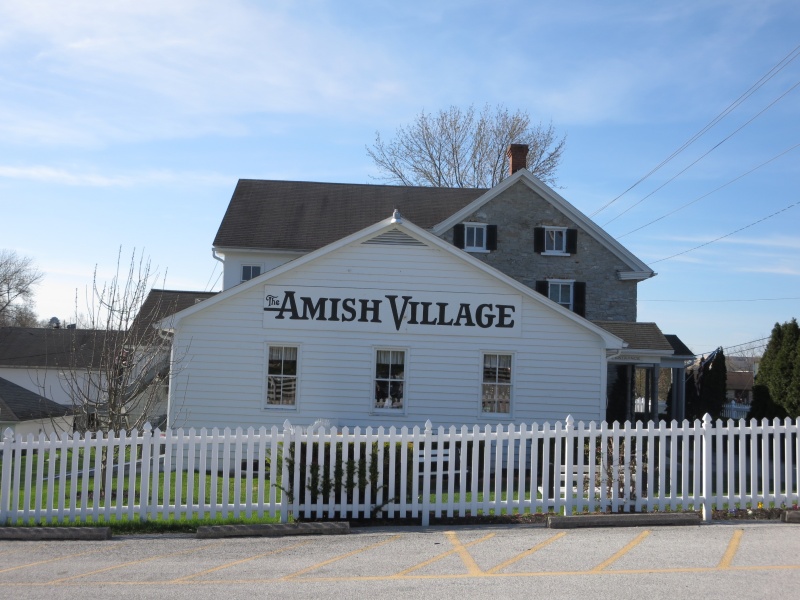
(536, 548)
(49, 560)
(630, 546)
(469, 562)
(133, 562)
(733, 546)
(440, 556)
(331, 560)
(236, 562)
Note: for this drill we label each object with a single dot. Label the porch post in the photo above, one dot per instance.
(654, 390)
(628, 393)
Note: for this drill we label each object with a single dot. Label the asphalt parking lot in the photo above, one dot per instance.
(733, 560)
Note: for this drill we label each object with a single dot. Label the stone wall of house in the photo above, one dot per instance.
(516, 212)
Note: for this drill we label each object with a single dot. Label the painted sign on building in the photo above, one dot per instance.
(361, 309)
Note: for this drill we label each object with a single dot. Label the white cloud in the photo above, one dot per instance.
(75, 178)
(128, 70)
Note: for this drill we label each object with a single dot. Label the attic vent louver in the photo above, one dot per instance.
(394, 237)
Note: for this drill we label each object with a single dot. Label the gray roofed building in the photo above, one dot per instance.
(19, 404)
(301, 215)
(639, 336)
(44, 347)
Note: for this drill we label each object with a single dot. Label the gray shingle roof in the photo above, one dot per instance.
(43, 347)
(19, 404)
(639, 336)
(160, 304)
(677, 344)
(301, 215)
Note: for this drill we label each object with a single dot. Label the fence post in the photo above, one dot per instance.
(566, 465)
(426, 474)
(706, 466)
(5, 478)
(285, 485)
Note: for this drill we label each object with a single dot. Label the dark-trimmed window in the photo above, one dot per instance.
(569, 294)
(390, 378)
(556, 241)
(475, 237)
(282, 376)
(496, 385)
(250, 272)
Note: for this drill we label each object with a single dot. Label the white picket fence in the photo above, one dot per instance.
(415, 473)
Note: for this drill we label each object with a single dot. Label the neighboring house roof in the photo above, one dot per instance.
(397, 226)
(742, 363)
(739, 380)
(302, 215)
(639, 336)
(158, 305)
(18, 404)
(44, 347)
(678, 346)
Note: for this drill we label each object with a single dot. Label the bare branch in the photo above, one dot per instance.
(18, 276)
(461, 148)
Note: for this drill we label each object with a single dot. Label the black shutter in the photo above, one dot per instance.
(458, 236)
(491, 237)
(572, 241)
(543, 287)
(579, 298)
(538, 239)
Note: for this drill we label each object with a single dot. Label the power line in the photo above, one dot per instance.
(722, 237)
(783, 63)
(702, 156)
(722, 301)
(711, 192)
(214, 270)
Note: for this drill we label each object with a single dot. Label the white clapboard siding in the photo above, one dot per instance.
(220, 352)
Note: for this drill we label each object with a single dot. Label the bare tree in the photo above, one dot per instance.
(18, 276)
(119, 364)
(465, 149)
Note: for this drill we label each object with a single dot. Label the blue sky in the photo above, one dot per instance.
(127, 124)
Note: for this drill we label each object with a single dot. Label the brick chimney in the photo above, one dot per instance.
(517, 157)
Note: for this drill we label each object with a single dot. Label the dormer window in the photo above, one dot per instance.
(555, 241)
(475, 237)
(250, 272)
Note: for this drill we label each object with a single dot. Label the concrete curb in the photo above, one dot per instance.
(273, 530)
(791, 516)
(55, 533)
(624, 520)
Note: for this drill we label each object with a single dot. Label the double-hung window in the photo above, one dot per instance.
(555, 240)
(282, 376)
(390, 375)
(561, 292)
(250, 272)
(474, 237)
(496, 387)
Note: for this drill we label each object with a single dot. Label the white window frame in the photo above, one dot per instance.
(265, 394)
(483, 413)
(475, 227)
(555, 251)
(388, 410)
(251, 267)
(562, 282)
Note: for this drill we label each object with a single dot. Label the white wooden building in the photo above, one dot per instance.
(391, 325)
